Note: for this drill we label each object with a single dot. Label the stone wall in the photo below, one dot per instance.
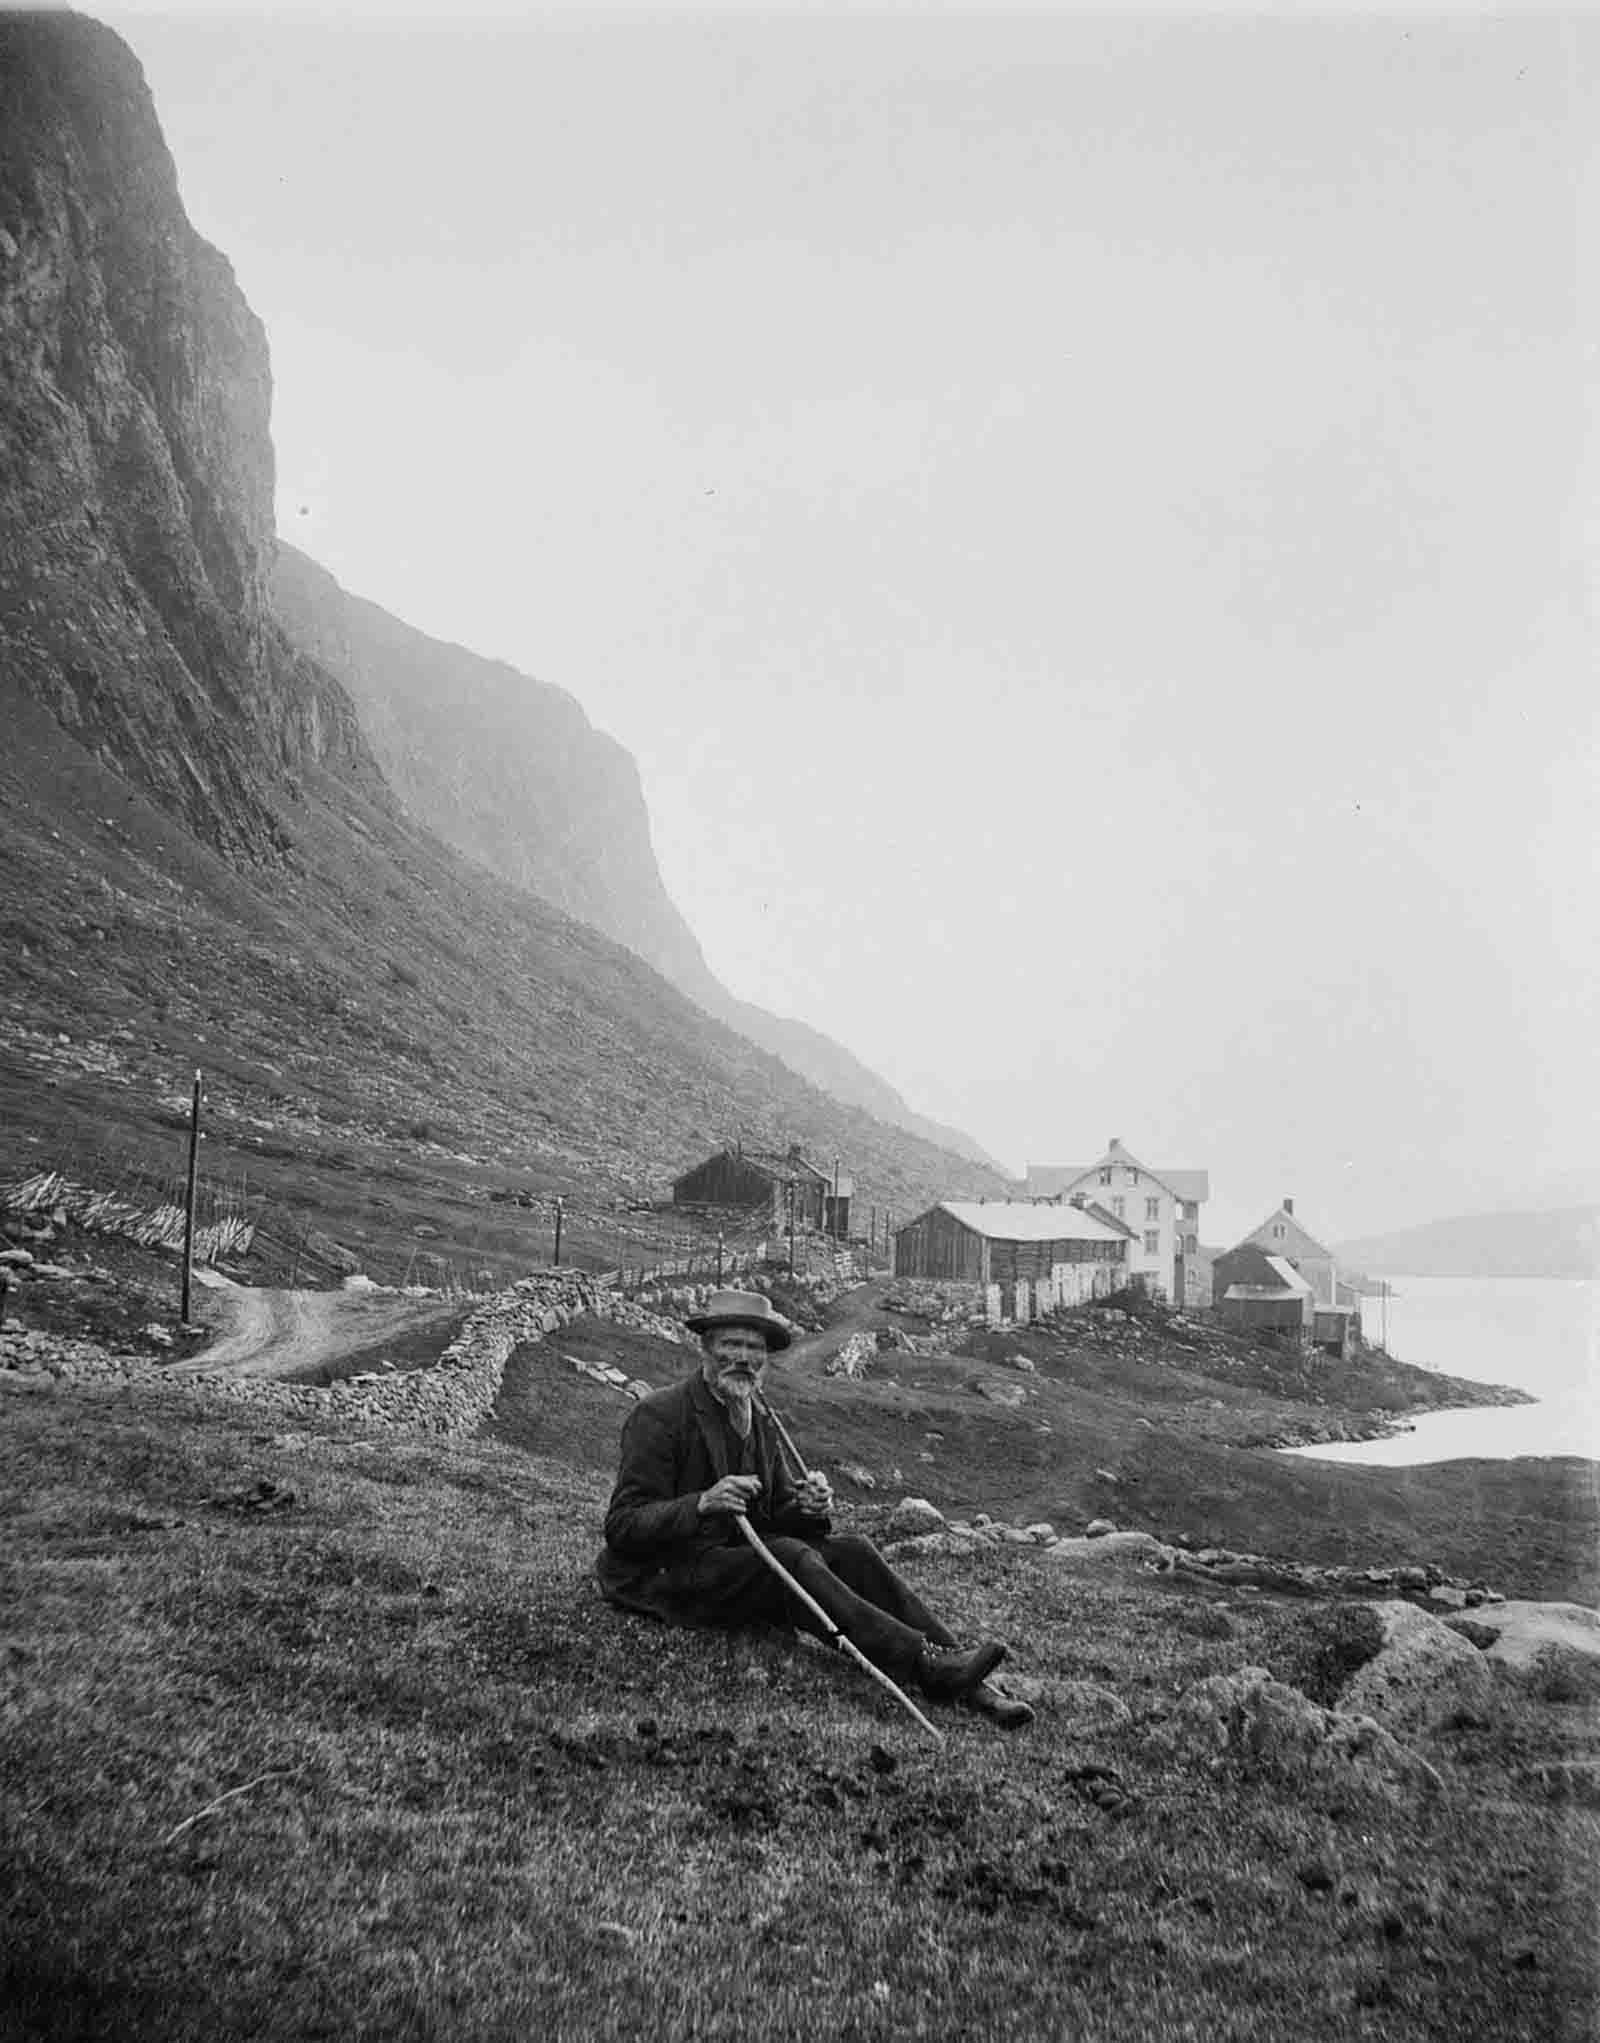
(454, 1395)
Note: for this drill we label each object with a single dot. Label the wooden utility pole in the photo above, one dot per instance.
(719, 1260)
(790, 1183)
(558, 1230)
(188, 1204)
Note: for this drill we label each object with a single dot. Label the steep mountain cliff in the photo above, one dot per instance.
(136, 510)
(508, 769)
(200, 860)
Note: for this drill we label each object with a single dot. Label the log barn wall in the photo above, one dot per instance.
(937, 1245)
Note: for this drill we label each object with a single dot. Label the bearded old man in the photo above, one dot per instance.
(700, 1455)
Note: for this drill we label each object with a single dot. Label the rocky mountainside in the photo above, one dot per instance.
(203, 863)
(136, 513)
(506, 768)
(509, 769)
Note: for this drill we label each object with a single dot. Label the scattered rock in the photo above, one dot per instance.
(854, 1358)
(1008, 1394)
(1022, 1362)
(1097, 1528)
(914, 1515)
(1090, 1706)
(863, 1478)
(1106, 1475)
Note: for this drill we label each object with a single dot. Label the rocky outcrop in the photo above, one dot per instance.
(136, 520)
(1534, 1642)
(1266, 1730)
(1421, 1676)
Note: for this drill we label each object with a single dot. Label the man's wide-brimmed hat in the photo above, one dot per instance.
(741, 1309)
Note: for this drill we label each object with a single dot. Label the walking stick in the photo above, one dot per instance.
(830, 1630)
(799, 1470)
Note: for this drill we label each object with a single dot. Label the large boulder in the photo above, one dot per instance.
(1422, 1674)
(1534, 1640)
(1266, 1729)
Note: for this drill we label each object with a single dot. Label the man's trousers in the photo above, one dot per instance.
(855, 1585)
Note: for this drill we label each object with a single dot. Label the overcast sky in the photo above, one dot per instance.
(1084, 523)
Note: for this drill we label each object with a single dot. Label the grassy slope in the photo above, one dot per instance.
(497, 1809)
(1183, 1446)
(388, 1033)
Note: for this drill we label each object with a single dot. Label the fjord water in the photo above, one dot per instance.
(1538, 1334)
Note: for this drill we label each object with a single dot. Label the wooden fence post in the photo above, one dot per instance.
(188, 1204)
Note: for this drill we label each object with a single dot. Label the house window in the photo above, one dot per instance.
(1277, 1230)
(1130, 1177)
(1191, 1209)
(1117, 1206)
(1105, 1177)
(1152, 1209)
(1152, 1241)
(1191, 1244)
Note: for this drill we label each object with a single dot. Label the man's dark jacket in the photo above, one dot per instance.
(676, 1443)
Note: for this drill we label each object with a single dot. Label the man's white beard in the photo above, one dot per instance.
(737, 1392)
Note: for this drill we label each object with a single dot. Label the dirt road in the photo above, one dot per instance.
(851, 1313)
(279, 1333)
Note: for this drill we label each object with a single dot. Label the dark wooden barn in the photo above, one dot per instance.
(759, 1181)
(1006, 1241)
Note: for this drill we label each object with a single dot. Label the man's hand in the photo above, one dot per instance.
(730, 1498)
(815, 1496)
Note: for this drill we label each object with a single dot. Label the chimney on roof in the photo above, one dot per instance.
(1288, 1206)
(1116, 1145)
(1077, 1200)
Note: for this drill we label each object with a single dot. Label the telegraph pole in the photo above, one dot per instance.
(790, 1183)
(188, 1204)
(559, 1204)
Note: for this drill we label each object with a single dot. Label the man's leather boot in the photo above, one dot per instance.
(947, 1673)
(989, 1700)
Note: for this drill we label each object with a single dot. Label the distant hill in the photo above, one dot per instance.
(509, 769)
(1560, 1243)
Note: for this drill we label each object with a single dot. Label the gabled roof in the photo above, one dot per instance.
(1294, 1221)
(1288, 1275)
(1047, 1179)
(778, 1165)
(1031, 1220)
(1290, 1283)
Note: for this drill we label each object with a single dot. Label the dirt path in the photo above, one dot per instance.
(850, 1313)
(279, 1333)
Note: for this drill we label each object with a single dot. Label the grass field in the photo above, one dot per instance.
(476, 1803)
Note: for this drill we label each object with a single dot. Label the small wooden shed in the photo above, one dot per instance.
(755, 1180)
(1250, 1289)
